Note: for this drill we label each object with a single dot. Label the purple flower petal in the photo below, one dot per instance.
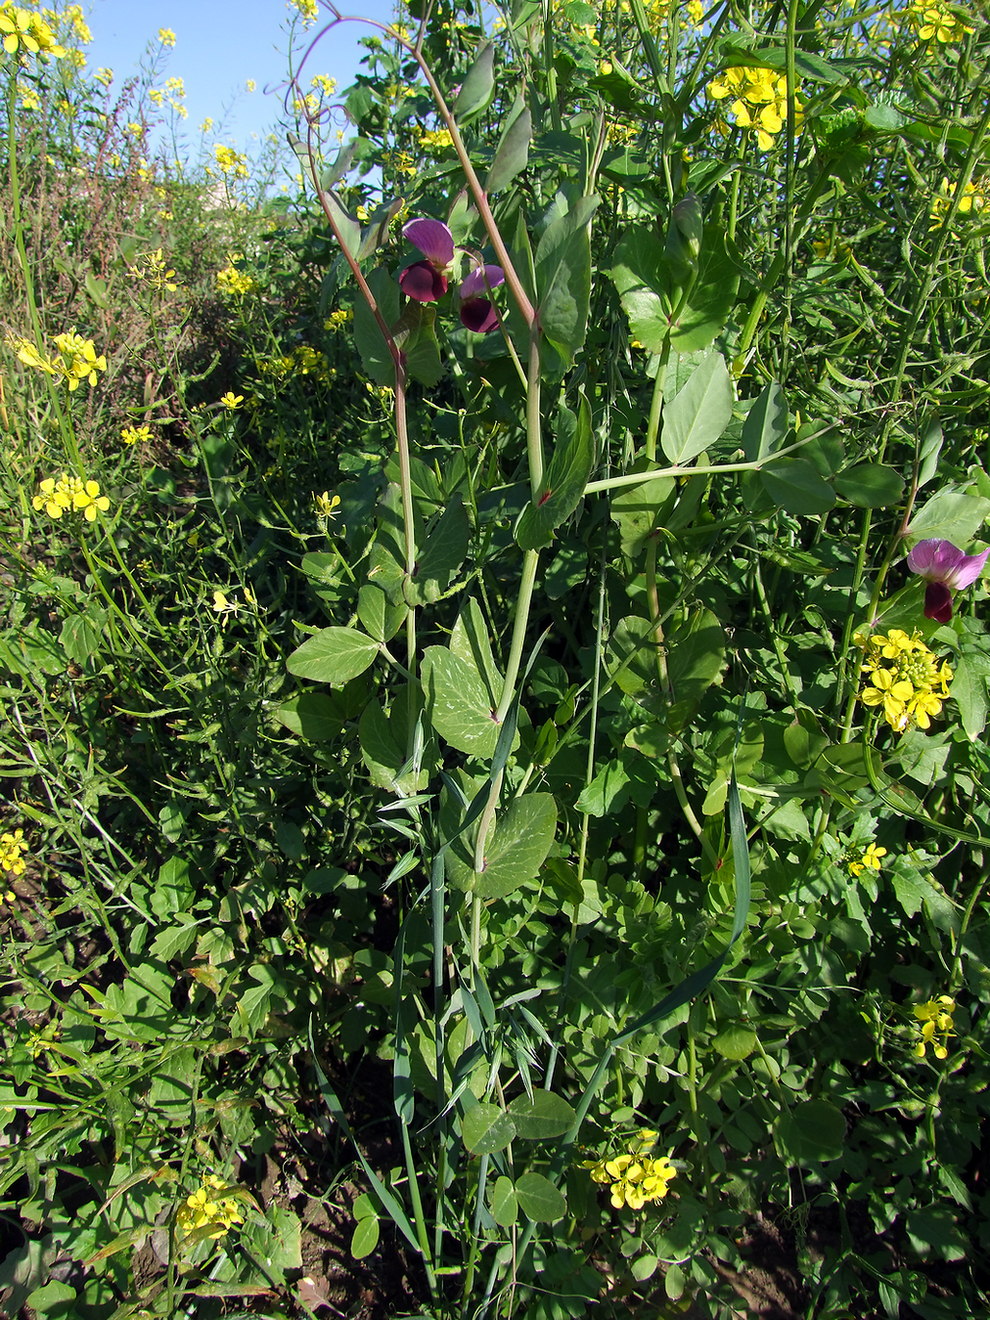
(433, 239)
(480, 280)
(941, 561)
(479, 315)
(422, 282)
(938, 602)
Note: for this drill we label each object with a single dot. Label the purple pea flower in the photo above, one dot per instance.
(477, 312)
(427, 281)
(946, 569)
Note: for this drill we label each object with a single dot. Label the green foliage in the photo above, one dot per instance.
(473, 747)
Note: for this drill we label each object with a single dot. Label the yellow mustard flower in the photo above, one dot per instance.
(933, 20)
(167, 37)
(935, 1018)
(231, 401)
(23, 33)
(63, 494)
(207, 1212)
(634, 1178)
(869, 861)
(13, 846)
(758, 99)
(132, 435)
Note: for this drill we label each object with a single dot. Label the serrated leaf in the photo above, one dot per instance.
(540, 1199)
(486, 1129)
(699, 413)
(563, 482)
(334, 656)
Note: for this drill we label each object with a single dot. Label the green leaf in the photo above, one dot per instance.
(459, 704)
(636, 511)
(80, 634)
(950, 516)
(486, 1129)
(766, 425)
(540, 1199)
(416, 335)
(443, 553)
(695, 656)
(933, 1231)
(699, 413)
(365, 1237)
(657, 308)
(469, 640)
(812, 1132)
(383, 742)
(380, 618)
(736, 1042)
(597, 797)
(347, 224)
(333, 655)
(564, 480)
(870, 485)
(369, 341)
(545, 1115)
(795, 486)
(512, 155)
(314, 716)
(505, 1205)
(478, 85)
(56, 1300)
(563, 278)
(969, 691)
(515, 851)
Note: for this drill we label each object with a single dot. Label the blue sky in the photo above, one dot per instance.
(220, 44)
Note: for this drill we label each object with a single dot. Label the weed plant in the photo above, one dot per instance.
(494, 674)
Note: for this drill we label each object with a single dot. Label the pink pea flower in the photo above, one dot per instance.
(477, 312)
(427, 281)
(945, 569)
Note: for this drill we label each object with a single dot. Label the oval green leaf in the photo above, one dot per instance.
(333, 655)
(486, 1129)
(545, 1115)
(540, 1199)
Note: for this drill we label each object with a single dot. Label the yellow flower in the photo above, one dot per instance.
(935, 1017)
(307, 11)
(104, 76)
(208, 1213)
(167, 37)
(12, 848)
(79, 359)
(231, 401)
(70, 493)
(759, 100)
(132, 434)
(934, 20)
(972, 200)
(153, 269)
(327, 506)
(24, 33)
(634, 1179)
(870, 860)
(235, 282)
